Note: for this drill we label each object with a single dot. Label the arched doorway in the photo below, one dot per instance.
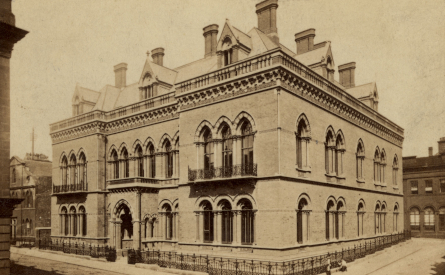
(124, 227)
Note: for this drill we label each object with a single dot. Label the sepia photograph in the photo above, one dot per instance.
(222, 137)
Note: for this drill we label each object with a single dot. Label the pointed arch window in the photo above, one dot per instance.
(208, 153)
(302, 140)
(428, 222)
(247, 149)
(73, 170)
(29, 200)
(382, 167)
(207, 221)
(115, 164)
(330, 220)
(247, 222)
(395, 218)
(139, 161)
(303, 221)
(14, 175)
(442, 219)
(82, 221)
(360, 218)
(64, 222)
(339, 155)
(226, 222)
(227, 52)
(330, 153)
(360, 157)
(339, 220)
(82, 170)
(227, 151)
(151, 161)
(125, 163)
(380, 218)
(64, 171)
(168, 221)
(376, 166)
(168, 159)
(395, 169)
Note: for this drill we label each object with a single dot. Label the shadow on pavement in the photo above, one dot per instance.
(17, 269)
(439, 268)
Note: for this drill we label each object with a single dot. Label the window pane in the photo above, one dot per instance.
(442, 185)
(429, 186)
(414, 187)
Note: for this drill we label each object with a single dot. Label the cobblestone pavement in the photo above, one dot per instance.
(419, 257)
(24, 264)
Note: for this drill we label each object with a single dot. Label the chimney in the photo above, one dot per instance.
(430, 151)
(267, 19)
(305, 41)
(347, 74)
(210, 33)
(120, 75)
(158, 56)
(441, 143)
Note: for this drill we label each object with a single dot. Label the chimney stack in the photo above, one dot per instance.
(441, 143)
(347, 74)
(120, 75)
(210, 33)
(158, 56)
(267, 19)
(305, 41)
(430, 151)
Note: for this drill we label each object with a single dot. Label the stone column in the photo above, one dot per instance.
(137, 223)
(118, 226)
(177, 164)
(60, 224)
(197, 226)
(237, 230)
(79, 225)
(217, 227)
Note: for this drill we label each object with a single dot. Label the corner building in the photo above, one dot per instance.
(253, 149)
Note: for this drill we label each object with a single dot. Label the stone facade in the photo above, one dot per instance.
(424, 193)
(253, 149)
(31, 180)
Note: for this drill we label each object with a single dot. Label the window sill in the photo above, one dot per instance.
(360, 181)
(341, 177)
(395, 187)
(331, 175)
(377, 184)
(303, 169)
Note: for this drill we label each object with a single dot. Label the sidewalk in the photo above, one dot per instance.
(120, 266)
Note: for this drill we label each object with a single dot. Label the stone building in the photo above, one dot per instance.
(424, 193)
(255, 148)
(9, 36)
(31, 181)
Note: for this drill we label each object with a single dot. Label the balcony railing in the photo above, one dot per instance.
(239, 170)
(65, 188)
(157, 181)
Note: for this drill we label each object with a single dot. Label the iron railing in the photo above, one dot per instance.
(70, 187)
(103, 251)
(231, 266)
(223, 172)
(23, 241)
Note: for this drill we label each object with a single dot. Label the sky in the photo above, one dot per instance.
(398, 44)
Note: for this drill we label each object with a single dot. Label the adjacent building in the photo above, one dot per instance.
(424, 190)
(31, 180)
(255, 148)
(9, 36)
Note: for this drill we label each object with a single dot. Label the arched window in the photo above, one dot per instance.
(168, 221)
(414, 217)
(176, 164)
(208, 221)
(151, 161)
(73, 170)
(64, 222)
(168, 159)
(29, 200)
(247, 222)
(377, 223)
(302, 139)
(139, 161)
(339, 154)
(125, 163)
(382, 166)
(248, 167)
(376, 166)
(153, 227)
(428, 219)
(227, 154)
(82, 221)
(83, 171)
(331, 215)
(360, 156)
(14, 175)
(64, 171)
(329, 152)
(383, 219)
(360, 218)
(208, 153)
(227, 51)
(302, 221)
(395, 218)
(442, 219)
(226, 222)
(28, 228)
(73, 221)
(115, 163)
(339, 220)
(395, 168)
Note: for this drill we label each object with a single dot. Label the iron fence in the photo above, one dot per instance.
(223, 172)
(103, 251)
(24, 241)
(232, 266)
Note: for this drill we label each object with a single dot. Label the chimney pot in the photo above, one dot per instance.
(347, 74)
(210, 33)
(158, 56)
(120, 75)
(267, 19)
(441, 144)
(430, 151)
(305, 41)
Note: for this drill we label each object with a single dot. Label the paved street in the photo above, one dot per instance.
(24, 264)
(419, 257)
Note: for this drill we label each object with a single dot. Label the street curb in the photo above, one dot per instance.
(155, 267)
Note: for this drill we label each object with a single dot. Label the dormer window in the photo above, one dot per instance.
(147, 92)
(147, 89)
(227, 51)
